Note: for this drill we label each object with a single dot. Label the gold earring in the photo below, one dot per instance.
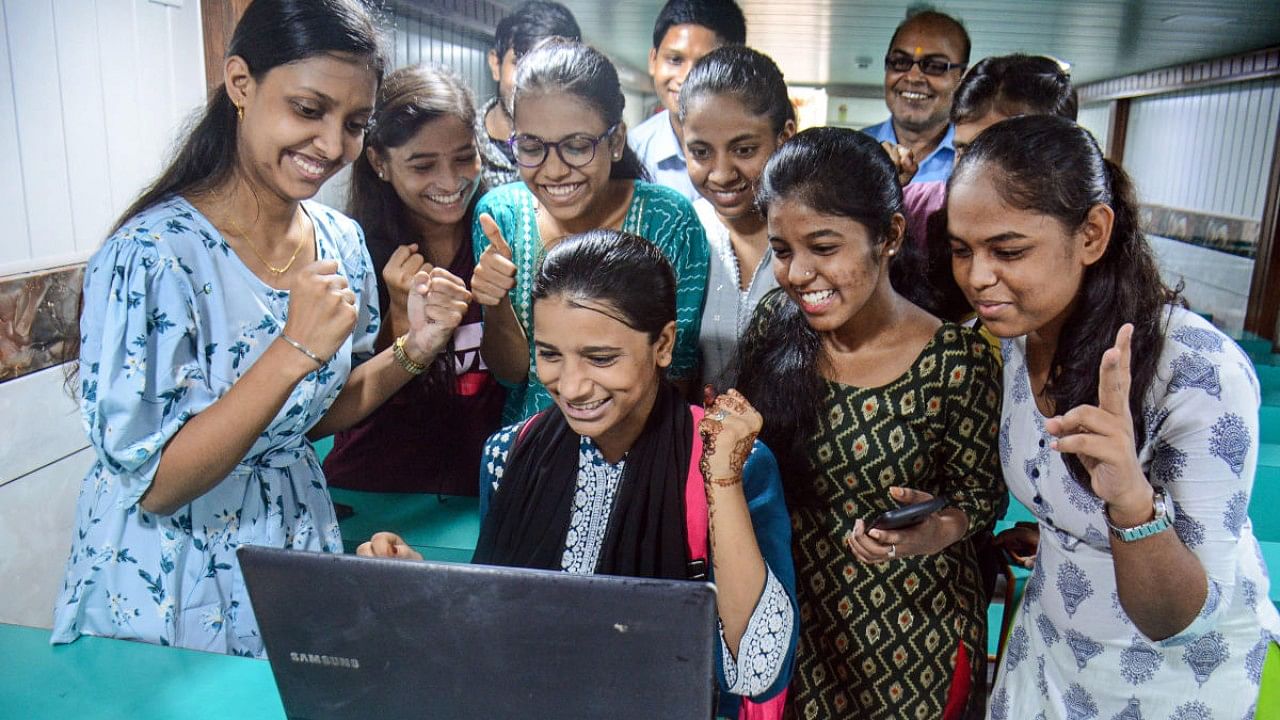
(240, 113)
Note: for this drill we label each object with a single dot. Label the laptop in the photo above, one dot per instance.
(352, 638)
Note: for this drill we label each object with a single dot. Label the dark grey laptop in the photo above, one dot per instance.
(352, 638)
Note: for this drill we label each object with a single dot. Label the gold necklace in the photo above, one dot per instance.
(235, 227)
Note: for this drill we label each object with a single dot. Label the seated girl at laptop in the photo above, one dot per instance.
(597, 483)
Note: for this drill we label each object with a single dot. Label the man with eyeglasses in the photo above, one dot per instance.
(922, 69)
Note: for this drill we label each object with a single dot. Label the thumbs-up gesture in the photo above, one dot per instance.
(495, 273)
(1102, 437)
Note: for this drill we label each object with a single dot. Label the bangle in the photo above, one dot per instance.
(403, 360)
(302, 349)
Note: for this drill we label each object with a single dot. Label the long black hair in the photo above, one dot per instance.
(557, 65)
(623, 271)
(1123, 286)
(781, 360)
(748, 76)
(409, 98)
(271, 33)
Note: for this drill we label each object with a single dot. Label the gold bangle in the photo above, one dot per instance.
(403, 359)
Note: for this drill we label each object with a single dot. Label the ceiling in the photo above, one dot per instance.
(842, 42)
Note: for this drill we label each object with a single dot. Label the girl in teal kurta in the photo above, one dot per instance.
(578, 174)
(660, 215)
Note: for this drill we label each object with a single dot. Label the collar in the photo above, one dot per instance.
(665, 144)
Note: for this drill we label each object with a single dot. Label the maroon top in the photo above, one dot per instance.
(426, 439)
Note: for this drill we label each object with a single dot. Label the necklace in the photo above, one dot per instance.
(235, 227)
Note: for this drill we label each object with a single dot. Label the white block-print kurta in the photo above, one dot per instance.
(1073, 653)
(172, 318)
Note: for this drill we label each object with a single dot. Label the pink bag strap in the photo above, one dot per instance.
(695, 496)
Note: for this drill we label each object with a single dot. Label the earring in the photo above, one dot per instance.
(381, 176)
(892, 253)
(240, 113)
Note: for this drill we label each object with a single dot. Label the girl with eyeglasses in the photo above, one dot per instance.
(579, 174)
(413, 191)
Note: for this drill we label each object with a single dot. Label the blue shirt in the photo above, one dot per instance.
(935, 167)
(661, 153)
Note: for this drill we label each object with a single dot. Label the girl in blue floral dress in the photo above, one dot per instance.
(221, 322)
(1129, 428)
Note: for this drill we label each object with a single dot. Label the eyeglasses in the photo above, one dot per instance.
(575, 151)
(901, 62)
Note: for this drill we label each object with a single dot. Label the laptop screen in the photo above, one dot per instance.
(354, 638)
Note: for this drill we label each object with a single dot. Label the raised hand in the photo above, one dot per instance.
(729, 429)
(322, 308)
(388, 545)
(495, 273)
(1102, 437)
(903, 159)
(436, 304)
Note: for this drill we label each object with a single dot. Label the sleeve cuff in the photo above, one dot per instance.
(763, 649)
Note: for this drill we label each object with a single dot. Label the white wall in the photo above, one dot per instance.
(1097, 120)
(92, 95)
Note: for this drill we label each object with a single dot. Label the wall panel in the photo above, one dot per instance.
(1097, 120)
(1205, 150)
(13, 211)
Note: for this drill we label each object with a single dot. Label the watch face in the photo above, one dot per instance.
(1163, 507)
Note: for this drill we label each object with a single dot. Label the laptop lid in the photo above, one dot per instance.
(352, 638)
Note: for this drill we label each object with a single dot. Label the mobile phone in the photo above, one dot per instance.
(907, 515)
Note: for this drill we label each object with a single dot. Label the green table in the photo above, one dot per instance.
(102, 679)
(441, 527)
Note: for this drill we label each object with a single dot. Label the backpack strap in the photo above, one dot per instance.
(695, 505)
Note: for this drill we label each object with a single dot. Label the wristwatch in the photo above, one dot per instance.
(1162, 521)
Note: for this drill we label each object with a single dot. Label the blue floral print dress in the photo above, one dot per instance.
(172, 318)
(1073, 652)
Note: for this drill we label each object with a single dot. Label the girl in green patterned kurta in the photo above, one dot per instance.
(871, 403)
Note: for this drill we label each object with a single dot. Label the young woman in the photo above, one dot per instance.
(413, 191)
(597, 483)
(872, 403)
(1130, 428)
(994, 89)
(220, 320)
(734, 112)
(579, 175)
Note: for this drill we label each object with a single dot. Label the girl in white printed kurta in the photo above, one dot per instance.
(221, 322)
(1130, 429)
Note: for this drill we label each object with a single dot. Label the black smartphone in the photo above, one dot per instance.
(907, 515)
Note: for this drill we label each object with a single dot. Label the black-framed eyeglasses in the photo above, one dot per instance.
(576, 151)
(901, 62)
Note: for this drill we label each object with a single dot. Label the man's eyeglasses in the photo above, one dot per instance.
(901, 62)
(576, 151)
